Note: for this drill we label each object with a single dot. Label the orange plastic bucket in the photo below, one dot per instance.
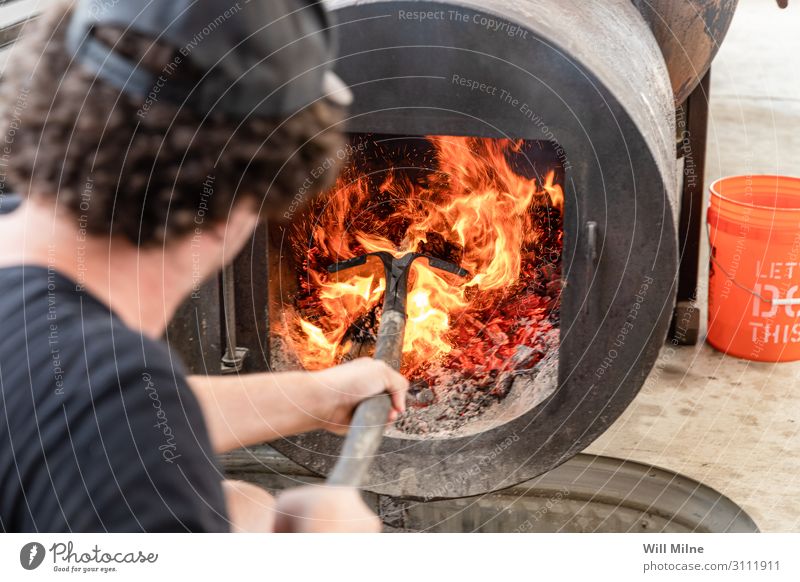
(754, 271)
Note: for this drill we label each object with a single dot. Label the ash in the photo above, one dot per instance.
(505, 361)
(449, 399)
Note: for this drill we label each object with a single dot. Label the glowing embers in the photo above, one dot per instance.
(484, 204)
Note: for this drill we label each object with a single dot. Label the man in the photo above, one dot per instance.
(117, 116)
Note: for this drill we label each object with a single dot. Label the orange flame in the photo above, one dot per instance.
(472, 203)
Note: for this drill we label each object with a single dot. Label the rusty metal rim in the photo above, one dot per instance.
(593, 479)
(651, 489)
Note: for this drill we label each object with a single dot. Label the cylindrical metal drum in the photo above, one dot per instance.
(689, 33)
(590, 77)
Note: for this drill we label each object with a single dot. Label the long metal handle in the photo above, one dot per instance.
(369, 418)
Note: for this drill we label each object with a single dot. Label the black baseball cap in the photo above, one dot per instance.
(266, 58)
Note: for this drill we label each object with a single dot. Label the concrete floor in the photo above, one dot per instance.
(730, 423)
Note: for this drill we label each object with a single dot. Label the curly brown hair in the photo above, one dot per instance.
(146, 170)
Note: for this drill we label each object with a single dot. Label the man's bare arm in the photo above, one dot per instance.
(253, 408)
(250, 508)
(248, 409)
(313, 508)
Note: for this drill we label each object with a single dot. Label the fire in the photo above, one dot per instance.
(470, 208)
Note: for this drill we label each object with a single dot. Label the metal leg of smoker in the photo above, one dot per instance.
(223, 327)
(234, 356)
(692, 135)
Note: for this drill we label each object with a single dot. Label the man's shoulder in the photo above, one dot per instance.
(74, 345)
(130, 351)
(125, 367)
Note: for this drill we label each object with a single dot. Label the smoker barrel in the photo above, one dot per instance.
(689, 33)
(593, 80)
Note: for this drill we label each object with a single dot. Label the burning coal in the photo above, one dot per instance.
(463, 200)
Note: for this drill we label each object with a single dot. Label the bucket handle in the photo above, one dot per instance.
(786, 301)
(753, 292)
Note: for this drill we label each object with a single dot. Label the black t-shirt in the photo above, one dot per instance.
(98, 428)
